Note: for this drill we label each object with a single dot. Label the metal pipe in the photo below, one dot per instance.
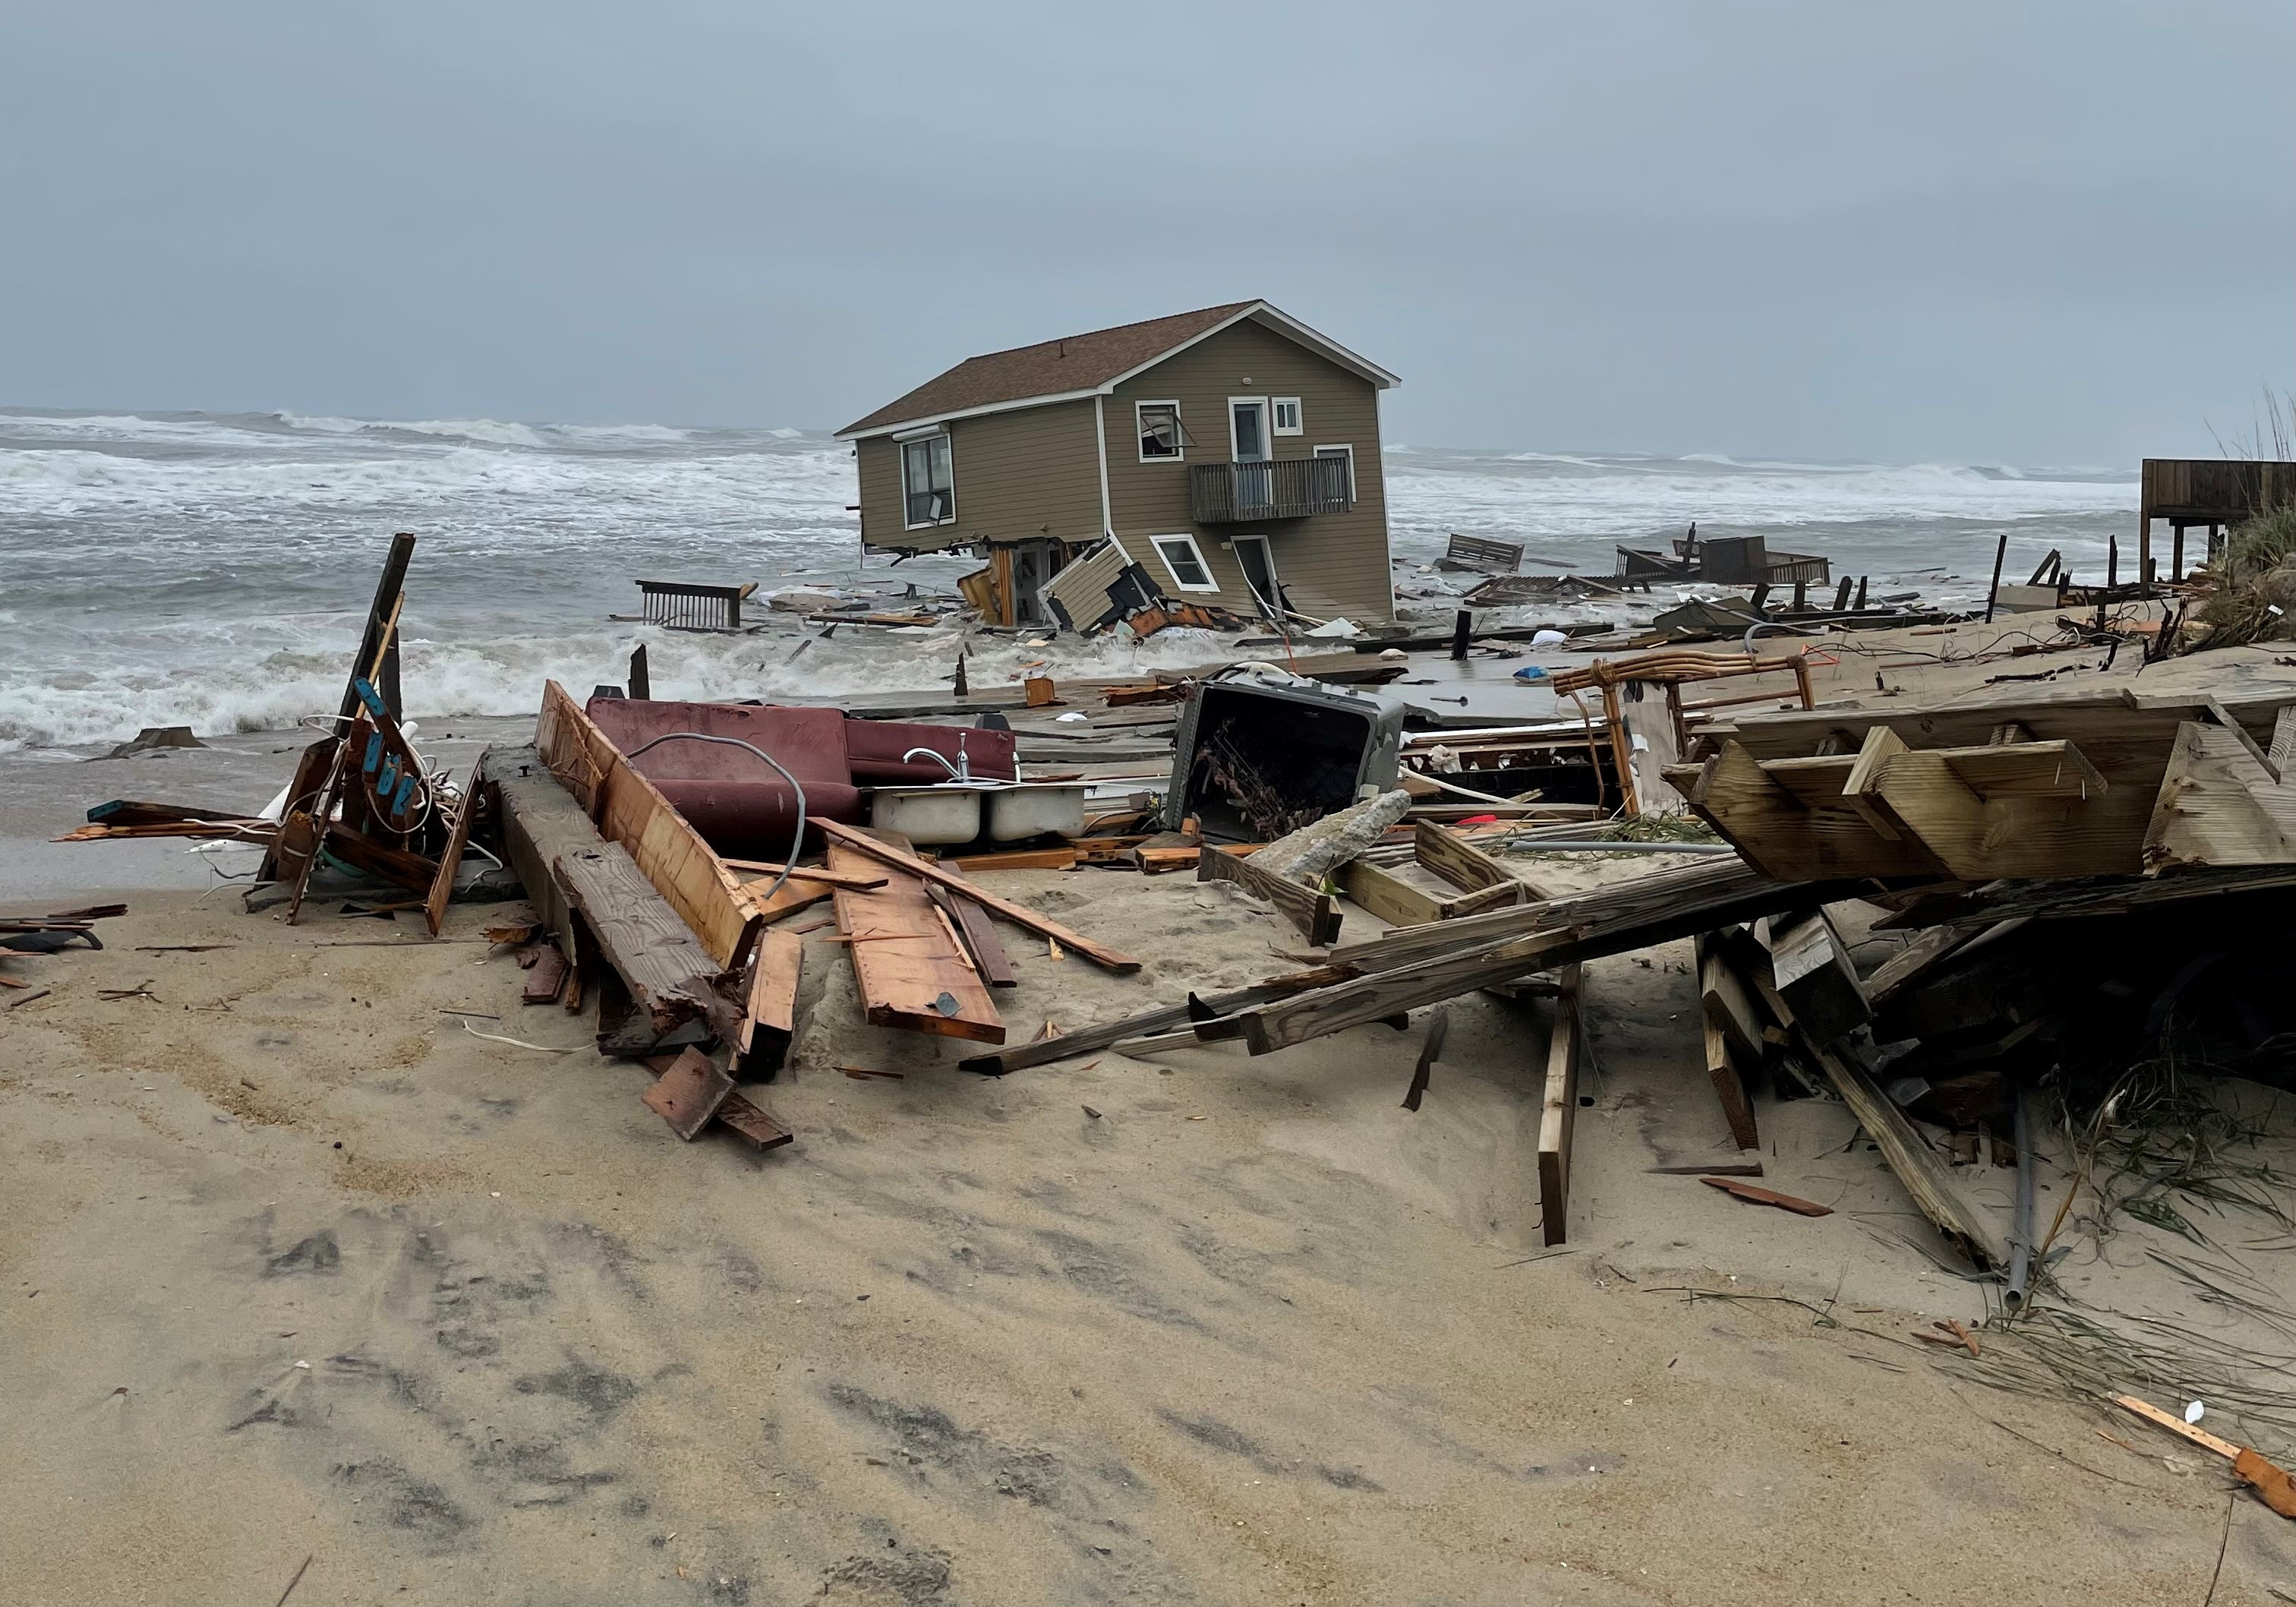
(2021, 1234)
(797, 842)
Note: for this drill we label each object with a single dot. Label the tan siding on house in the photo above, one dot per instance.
(1330, 563)
(1018, 475)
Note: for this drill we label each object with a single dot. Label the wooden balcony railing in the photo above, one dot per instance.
(1291, 488)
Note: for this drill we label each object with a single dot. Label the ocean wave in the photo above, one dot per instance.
(503, 675)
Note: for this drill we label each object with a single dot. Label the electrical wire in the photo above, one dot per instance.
(797, 841)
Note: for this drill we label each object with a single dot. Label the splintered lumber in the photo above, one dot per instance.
(1147, 1023)
(795, 895)
(631, 811)
(1559, 1109)
(442, 886)
(766, 871)
(978, 934)
(1910, 962)
(1018, 859)
(1315, 914)
(1760, 1195)
(1617, 919)
(1431, 1050)
(1459, 861)
(1732, 1040)
(1021, 915)
(670, 976)
(1809, 966)
(2219, 804)
(689, 1094)
(2270, 1481)
(769, 1019)
(1917, 1165)
(911, 971)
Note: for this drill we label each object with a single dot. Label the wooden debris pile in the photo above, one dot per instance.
(361, 797)
(2101, 784)
(683, 950)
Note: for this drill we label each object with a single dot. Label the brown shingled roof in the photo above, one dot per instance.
(1048, 368)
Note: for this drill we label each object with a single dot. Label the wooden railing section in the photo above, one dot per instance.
(1291, 487)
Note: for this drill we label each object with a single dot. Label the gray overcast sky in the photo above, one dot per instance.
(2051, 233)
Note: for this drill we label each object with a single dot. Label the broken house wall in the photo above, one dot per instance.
(1034, 471)
(1329, 563)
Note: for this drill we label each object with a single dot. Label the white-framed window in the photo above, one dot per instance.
(1349, 453)
(1162, 438)
(928, 483)
(1185, 562)
(1288, 419)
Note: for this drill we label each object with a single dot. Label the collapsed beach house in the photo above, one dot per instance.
(1225, 459)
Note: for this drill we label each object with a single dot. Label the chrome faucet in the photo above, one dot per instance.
(961, 771)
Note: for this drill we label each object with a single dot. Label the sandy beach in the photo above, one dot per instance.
(299, 1265)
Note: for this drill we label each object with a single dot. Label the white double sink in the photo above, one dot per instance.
(963, 811)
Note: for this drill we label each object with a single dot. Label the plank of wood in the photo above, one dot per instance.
(1731, 1040)
(311, 837)
(1387, 895)
(1315, 914)
(1559, 1109)
(769, 1020)
(1018, 859)
(2177, 1426)
(1431, 1050)
(1628, 915)
(763, 873)
(921, 982)
(670, 976)
(540, 821)
(630, 811)
(1917, 1165)
(752, 1124)
(546, 979)
(1923, 952)
(1147, 1022)
(979, 933)
(1459, 861)
(2055, 769)
(1029, 920)
(466, 814)
(1760, 1195)
(2218, 806)
(689, 1094)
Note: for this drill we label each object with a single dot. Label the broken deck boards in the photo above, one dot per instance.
(1021, 915)
(769, 1018)
(1733, 1037)
(1917, 1165)
(978, 934)
(672, 978)
(910, 970)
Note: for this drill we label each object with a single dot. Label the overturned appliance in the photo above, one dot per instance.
(1260, 756)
